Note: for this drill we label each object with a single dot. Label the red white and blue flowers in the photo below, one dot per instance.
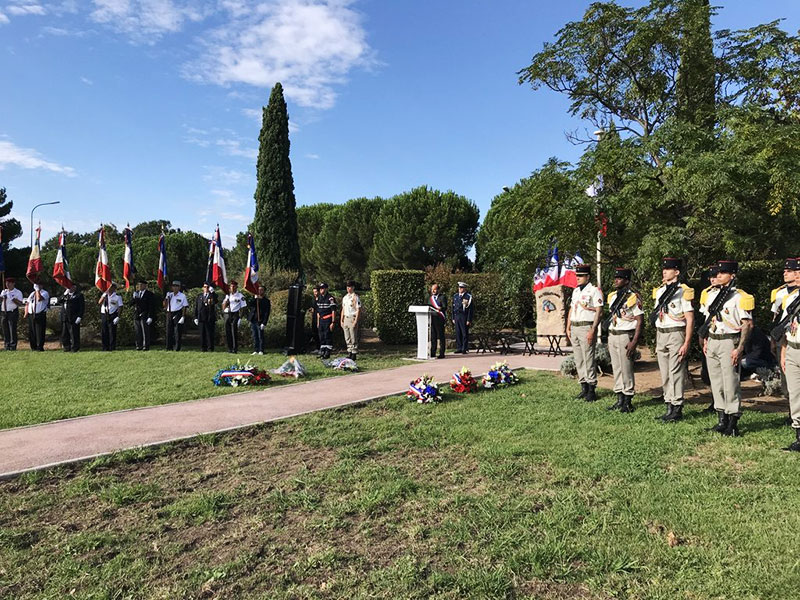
(424, 390)
(499, 375)
(240, 374)
(463, 382)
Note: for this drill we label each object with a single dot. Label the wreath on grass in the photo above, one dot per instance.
(463, 382)
(499, 375)
(424, 390)
(239, 374)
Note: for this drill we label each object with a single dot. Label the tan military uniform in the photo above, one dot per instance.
(723, 337)
(792, 341)
(620, 333)
(670, 336)
(585, 304)
(351, 304)
(776, 299)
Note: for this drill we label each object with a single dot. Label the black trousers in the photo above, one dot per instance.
(174, 331)
(108, 331)
(143, 332)
(36, 328)
(208, 333)
(70, 336)
(232, 331)
(462, 333)
(325, 334)
(10, 321)
(437, 335)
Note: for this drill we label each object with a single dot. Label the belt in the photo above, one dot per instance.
(175, 312)
(670, 329)
(724, 336)
(794, 345)
(582, 323)
(621, 331)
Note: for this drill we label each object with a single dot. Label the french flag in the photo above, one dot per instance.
(102, 273)
(35, 259)
(552, 273)
(61, 266)
(128, 270)
(162, 262)
(538, 280)
(568, 277)
(251, 272)
(216, 263)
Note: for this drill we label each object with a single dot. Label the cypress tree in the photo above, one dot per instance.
(696, 85)
(275, 224)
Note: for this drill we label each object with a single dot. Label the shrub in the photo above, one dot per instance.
(393, 292)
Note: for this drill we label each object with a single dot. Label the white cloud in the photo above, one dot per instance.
(308, 45)
(28, 158)
(147, 20)
(3, 19)
(87, 81)
(225, 176)
(234, 148)
(312, 156)
(19, 10)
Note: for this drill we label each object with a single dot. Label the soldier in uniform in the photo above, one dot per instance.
(674, 328)
(713, 271)
(463, 313)
(36, 312)
(790, 363)
(623, 337)
(73, 306)
(583, 318)
(144, 311)
(110, 309)
(731, 325)
(438, 303)
(205, 317)
(232, 306)
(10, 301)
(326, 317)
(313, 311)
(791, 273)
(175, 303)
(349, 319)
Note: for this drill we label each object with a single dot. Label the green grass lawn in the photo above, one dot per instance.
(45, 386)
(520, 493)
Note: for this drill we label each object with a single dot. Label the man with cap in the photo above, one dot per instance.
(674, 321)
(144, 313)
(791, 279)
(36, 311)
(438, 304)
(349, 319)
(326, 317)
(10, 301)
(582, 321)
(205, 317)
(790, 362)
(175, 304)
(711, 273)
(625, 327)
(463, 312)
(110, 310)
(232, 306)
(260, 308)
(731, 323)
(73, 307)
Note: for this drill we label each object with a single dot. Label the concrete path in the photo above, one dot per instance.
(39, 446)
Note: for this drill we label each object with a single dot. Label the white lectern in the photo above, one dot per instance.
(423, 327)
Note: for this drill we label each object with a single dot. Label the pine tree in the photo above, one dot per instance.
(275, 224)
(11, 227)
(696, 86)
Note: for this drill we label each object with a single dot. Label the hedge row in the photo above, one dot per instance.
(393, 292)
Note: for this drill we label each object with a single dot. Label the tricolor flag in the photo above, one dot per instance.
(251, 272)
(568, 277)
(538, 280)
(552, 273)
(35, 260)
(102, 273)
(61, 266)
(216, 274)
(162, 262)
(128, 270)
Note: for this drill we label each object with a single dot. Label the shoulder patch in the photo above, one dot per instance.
(704, 295)
(746, 301)
(688, 293)
(774, 293)
(633, 300)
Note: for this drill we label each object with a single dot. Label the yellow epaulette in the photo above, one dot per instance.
(704, 294)
(655, 292)
(632, 300)
(611, 296)
(688, 293)
(774, 293)
(788, 298)
(746, 301)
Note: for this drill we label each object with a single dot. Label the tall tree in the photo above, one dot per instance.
(696, 73)
(11, 227)
(275, 224)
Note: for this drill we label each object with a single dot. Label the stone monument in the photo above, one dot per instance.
(552, 305)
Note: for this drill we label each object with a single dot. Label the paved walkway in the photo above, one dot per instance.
(38, 446)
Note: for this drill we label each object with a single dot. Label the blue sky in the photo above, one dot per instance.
(131, 110)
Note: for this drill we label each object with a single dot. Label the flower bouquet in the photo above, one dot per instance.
(499, 375)
(463, 382)
(291, 368)
(341, 364)
(240, 374)
(424, 390)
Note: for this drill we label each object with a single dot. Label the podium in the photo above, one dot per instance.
(423, 314)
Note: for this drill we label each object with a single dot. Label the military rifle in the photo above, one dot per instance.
(665, 297)
(791, 312)
(614, 309)
(714, 310)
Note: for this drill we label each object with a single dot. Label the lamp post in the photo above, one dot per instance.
(33, 209)
(598, 134)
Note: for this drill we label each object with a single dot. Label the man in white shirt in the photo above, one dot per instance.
(582, 322)
(10, 301)
(175, 303)
(36, 311)
(351, 315)
(110, 310)
(233, 303)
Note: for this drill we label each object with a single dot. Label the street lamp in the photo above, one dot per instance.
(33, 209)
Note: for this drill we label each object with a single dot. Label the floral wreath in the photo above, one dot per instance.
(499, 375)
(463, 382)
(240, 374)
(424, 390)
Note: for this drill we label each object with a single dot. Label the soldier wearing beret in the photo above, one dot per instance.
(731, 323)
(674, 321)
(582, 322)
(625, 327)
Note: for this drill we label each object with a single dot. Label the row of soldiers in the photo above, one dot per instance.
(723, 327)
(235, 310)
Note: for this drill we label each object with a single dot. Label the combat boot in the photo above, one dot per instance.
(795, 445)
(722, 423)
(618, 404)
(627, 404)
(591, 396)
(732, 430)
(584, 387)
(670, 408)
(676, 415)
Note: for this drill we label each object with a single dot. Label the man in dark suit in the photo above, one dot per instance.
(438, 303)
(144, 313)
(462, 317)
(205, 317)
(73, 306)
(260, 307)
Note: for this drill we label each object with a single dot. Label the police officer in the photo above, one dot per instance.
(623, 337)
(731, 325)
(790, 364)
(582, 321)
(73, 307)
(438, 304)
(110, 310)
(232, 306)
(10, 301)
(36, 311)
(205, 317)
(326, 317)
(144, 313)
(791, 273)
(463, 313)
(175, 303)
(260, 307)
(674, 327)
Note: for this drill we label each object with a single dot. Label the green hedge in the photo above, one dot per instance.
(393, 292)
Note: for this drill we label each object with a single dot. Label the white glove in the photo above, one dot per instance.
(197, 321)
(181, 320)
(262, 327)
(149, 321)
(36, 287)
(78, 321)
(105, 294)
(116, 320)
